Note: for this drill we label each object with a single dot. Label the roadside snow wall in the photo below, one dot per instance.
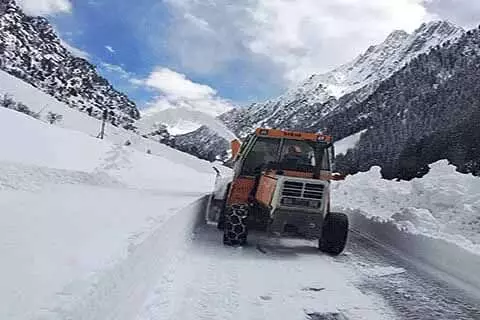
(119, 292)
(435, 219)
(444, 204)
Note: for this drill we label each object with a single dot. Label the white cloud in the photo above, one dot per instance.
(205, 36)
(75, 51)
(175, 85)
(45, 7)
(298, 37)
(307, 36)
(113, 68)
(181, 100)
(110, 49)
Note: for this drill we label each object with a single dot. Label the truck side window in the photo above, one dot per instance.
(244, 144)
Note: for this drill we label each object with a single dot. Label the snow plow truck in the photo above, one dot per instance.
(281, 185)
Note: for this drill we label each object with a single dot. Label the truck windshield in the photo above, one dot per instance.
(285, 154)
(298, 154)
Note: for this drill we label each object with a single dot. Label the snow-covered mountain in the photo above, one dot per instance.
(425, 112)
(181, 119)
(31, 51)
(381, 61)
(321, 95)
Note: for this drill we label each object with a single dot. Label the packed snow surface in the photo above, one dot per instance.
(276, 279)
(443, 204)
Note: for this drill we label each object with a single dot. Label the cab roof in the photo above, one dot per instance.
(275, 133)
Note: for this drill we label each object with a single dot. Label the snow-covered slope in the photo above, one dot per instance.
(38, 101)
(347, 143)
(72, 205)
(30, 50)
(444, 204)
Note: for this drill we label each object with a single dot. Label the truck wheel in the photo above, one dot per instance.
(235, 229)
(334, 234)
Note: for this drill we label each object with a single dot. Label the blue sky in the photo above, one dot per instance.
(128, 30)
(221, 53)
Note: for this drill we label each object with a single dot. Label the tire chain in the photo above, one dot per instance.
(236, 230)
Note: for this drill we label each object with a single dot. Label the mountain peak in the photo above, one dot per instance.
(396, 35)
(440, 27)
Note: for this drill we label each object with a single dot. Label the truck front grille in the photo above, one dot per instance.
(293, 189)
(303, 190)
(313, 191)
(300, 194)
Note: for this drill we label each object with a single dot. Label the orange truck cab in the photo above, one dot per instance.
(281, 185)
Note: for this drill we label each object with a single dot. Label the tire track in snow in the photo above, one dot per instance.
(290, 279)
(217, 282)
(412, 292)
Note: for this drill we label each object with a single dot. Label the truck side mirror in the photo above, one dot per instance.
(235, 145)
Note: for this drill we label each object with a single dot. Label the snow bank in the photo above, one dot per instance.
(444, 204)
(120, 291)
(72, 207)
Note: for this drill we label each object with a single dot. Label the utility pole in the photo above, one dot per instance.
(104, 120)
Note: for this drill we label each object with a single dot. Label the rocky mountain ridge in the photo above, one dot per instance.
(31, 51)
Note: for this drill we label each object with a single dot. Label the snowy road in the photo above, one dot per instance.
(290, 279)
(269, 280)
